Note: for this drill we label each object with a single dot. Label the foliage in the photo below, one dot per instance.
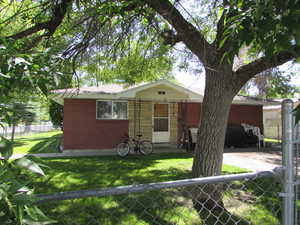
(25, 74)
(297, 114)
(40, 104)
(123, 43)
(272, 83)
(17, 205)
(16, 113)
(279, 86)
(56, 114)
(26, 68)
(136, 64)
(19, 112)
(266, 26)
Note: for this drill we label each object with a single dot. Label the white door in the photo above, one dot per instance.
(161, 125)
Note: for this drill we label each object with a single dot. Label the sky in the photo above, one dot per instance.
(190, 80)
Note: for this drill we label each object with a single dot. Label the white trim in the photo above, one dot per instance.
(112, 106)
(168, 134)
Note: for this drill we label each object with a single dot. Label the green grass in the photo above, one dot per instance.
(37, 143)
(169, 206)
(272, 140)
(108, 171)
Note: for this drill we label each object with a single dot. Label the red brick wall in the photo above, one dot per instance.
(250, 114)
(83, 131)
(190, 113)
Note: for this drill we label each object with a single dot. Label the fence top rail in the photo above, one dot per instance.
(154, 186)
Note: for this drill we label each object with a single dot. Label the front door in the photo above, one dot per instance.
(161, 131)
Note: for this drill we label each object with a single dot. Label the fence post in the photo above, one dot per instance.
(287, 162)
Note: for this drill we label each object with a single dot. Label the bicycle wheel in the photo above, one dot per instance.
(123, 149)
(146, 147)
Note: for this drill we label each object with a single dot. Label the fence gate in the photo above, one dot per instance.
(290, 158)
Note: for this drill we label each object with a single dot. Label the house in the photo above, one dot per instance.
(98, 117)
(272, 119)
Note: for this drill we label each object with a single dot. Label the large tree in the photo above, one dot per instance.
(213, 31)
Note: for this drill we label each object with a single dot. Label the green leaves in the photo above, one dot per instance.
(56, 114)
(29, 165)
(145, 60)
(36, 217)
(17, 202)
(267, 26)
(297, 36)
(297, 114)
(6, 148)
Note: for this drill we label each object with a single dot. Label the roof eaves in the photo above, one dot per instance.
(132, 91)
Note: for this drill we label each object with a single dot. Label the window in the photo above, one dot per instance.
(115, 110)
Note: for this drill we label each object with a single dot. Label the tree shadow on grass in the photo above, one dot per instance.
(91, 173)
(46, 145)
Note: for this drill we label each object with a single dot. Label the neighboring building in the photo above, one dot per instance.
(272, 119)
(98, 117)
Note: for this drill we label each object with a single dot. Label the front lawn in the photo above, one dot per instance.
(37, 143)
(90, 173)
(169, 206)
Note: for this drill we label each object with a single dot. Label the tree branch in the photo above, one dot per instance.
(220, 29)
(59, 12)
(248, 71)
(186, 32)
(29, 31)
(169, 37)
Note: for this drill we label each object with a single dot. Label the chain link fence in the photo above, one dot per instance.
(250, 198)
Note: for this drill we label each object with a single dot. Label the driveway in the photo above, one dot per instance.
(255, 161)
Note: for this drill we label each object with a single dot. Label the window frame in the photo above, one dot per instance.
(111, 111)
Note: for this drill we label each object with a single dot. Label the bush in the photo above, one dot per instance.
(17, 202)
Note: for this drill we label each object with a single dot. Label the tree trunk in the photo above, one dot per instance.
(208, 158)
(219, 93)
(13, 132)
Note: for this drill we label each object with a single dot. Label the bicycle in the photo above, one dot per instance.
(137, 145)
